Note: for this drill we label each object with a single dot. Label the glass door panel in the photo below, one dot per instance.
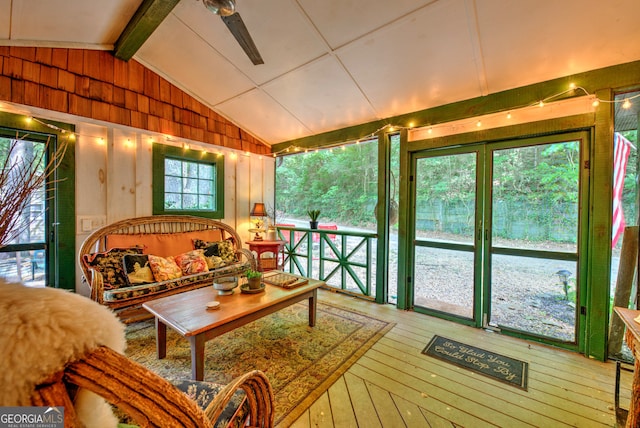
(535, 196)
(534, 295)
(444, 252)
(23, 258)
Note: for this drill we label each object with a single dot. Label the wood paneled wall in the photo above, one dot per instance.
(114, 179)
(96, 85)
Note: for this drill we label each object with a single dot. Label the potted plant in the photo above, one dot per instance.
(254, 278)
(313, 218)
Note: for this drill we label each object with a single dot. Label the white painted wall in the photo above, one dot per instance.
(114, 179)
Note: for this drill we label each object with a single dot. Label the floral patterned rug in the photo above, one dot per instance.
(300, 361)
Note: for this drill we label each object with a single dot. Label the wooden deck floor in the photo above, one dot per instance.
(395, 385)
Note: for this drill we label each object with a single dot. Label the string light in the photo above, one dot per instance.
(128, 142)
(626, 103)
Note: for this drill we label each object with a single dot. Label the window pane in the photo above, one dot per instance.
(205, 202)
(205, 187)
(172, 201)
(173, 184)
(205, 171)
(190, 186)
(172, 167)
(190, 169)
(190, 202)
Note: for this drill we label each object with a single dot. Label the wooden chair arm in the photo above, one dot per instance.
(96, 286)
(52, 392)
(259, 395)
(148, 398)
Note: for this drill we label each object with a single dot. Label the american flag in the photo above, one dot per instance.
(621, 148)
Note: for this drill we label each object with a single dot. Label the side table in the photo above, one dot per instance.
(273, 252)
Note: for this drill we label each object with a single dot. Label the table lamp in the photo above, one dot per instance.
(260, 212)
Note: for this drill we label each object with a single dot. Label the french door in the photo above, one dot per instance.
(497, 235)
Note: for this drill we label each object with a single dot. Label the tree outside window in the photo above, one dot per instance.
(187, 182)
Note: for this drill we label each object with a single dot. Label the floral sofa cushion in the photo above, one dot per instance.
(222, 249)
(123, 293)
(164, 268)
(192, 262)
(110, 265)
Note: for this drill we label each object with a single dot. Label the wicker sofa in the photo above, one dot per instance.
(101, 258)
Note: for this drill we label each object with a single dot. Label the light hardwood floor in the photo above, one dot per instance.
(395, 385)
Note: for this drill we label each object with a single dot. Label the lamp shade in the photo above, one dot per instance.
(258, 210)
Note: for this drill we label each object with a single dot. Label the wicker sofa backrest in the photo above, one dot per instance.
(151, 225)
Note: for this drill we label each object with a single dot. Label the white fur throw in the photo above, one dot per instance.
(42, 329)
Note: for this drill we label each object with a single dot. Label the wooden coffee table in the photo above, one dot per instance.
(187, 314)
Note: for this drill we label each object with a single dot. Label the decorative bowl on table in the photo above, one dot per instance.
(225, 285)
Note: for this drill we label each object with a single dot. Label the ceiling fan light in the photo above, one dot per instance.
(221, 7)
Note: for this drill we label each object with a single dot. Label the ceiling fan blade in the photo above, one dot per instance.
(235, 24)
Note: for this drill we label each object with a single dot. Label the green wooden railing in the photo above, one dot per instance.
(342, 259)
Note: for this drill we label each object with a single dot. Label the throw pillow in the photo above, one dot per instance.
(164, 268)
(136, 266)
(110, 265)
(223, 249)
(192, 262)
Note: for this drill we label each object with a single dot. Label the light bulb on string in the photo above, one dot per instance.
(626, 104)
(509, 115)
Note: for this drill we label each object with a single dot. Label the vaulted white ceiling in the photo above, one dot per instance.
(330, 64)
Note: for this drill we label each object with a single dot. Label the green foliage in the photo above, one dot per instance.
(342, 184)
(313, 214)
(534, 189)
(250, 273)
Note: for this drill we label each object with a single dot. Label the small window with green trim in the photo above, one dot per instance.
(187, 182)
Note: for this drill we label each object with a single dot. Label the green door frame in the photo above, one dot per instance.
(60, 217)
(596, 247)
(476, 248)
(582, 250)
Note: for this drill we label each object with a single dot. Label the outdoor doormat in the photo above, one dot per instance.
(499, 367)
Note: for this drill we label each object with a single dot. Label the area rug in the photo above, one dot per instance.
(505, 369)
(300, 361)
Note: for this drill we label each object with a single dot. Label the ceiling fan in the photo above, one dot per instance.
(227, 11)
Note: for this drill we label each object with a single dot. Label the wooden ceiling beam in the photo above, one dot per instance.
(144, 22)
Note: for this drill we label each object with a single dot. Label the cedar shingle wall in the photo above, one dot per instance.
(97, 85)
